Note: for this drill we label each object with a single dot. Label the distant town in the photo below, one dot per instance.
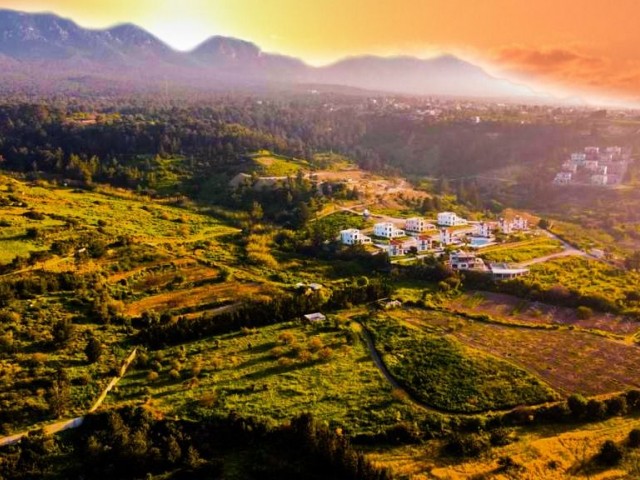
(595, 166)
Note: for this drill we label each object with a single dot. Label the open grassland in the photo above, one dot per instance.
(588, 277)
(509, 309)
(272, 165)
(570, 361)
(273, 372)
(521, 251)
(559, 452)
(448, 375)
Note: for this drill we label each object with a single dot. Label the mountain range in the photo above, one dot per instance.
(45, 48)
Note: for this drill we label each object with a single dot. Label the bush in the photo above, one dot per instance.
(583, 313)
(616, 406)
(610, 454)
(470, 445)
(634, 438)
(578, 406)
(500, 437)
(596, 410)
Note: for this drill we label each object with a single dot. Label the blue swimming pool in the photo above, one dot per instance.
(479, 241)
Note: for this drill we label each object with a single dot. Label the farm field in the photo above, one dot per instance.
(570, 361)
(518, 252)
(447, 374)
(272, 165)
(509, 309)
(274, 373)
(559, 452)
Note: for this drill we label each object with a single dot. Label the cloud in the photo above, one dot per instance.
(570, 67)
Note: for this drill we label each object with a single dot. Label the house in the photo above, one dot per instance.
(591, 165)
(450, 219)
(466, 261)
(353, 236)
(504, 226)
(570, 166)
(446, 238)
(387, 230)
(592, 151)
(502, 271)
(599, 179)
(614, 150)
(483, 229)
(417, 225)
(313, 318)
(563, 178)
(520, 223)
(578, 158)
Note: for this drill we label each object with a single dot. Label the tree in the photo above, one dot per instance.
(610, 454)
(93, 350)
(62, 332)
(59, 394)
(544, 224)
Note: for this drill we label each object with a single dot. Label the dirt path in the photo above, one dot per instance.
(63, 425)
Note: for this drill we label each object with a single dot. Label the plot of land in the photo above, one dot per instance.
(275, 373)
(570, 361)
(516, 310)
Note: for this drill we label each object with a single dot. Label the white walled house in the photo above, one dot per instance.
(591, 165)
(387, 230)
(408, 245)
(417, 225)
(570, 166)
(502, 271)
(353, 236)
(599, 179)
(563, 178)
(520, 223)
(450, 219)
(466, 261)
(446, 238)
(578, 158)
(504, 226)
(484, 230)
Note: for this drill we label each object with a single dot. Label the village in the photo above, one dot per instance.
(595, 166)
(448, 233)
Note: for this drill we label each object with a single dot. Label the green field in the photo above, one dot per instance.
(521, 251)
(271, 373)
(271, 165)
(448, 375)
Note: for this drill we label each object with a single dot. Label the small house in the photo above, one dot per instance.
(313, 318)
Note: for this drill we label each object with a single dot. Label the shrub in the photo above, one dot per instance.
(616, 406)
(325, 354)
(634, 438)
(596, 410)
(578, 406)
(500, 437)
(174, 374)
(277, 352)
(470, 445)
(153, 376)
(583, 313)
(610, 454)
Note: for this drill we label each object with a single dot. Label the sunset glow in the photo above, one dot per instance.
(571, 46)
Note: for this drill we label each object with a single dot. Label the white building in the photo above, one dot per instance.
(591, 165)
(614, 150)
(483, 229)
(578, 158)
(417, 225)
(408, 245)
(387, 230)
(446, 238)
(570, 166)
(353, 236)
(590, 151)
(599, 179)
(466, 261)
(502, 271)
(563, 178)
(450, 219)
(520, 223)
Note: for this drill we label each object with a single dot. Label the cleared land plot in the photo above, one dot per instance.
(549, 452)
(277, 372)
(448, 375)
(570, 361)
(507, 308)
(521, 251)
(272, 165)
(192, 297)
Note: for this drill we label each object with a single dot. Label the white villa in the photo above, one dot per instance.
(483, 229)
(408, 245)
(446, 238)
(387, 230)
(450, 219)
(466, 261)
(517, 224)
(417, 225)
(353, 236)
(599, 179)
(563, 178)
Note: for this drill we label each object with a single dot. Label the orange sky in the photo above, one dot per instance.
(568, 46)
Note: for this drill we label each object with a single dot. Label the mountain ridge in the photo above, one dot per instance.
(59, 47)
